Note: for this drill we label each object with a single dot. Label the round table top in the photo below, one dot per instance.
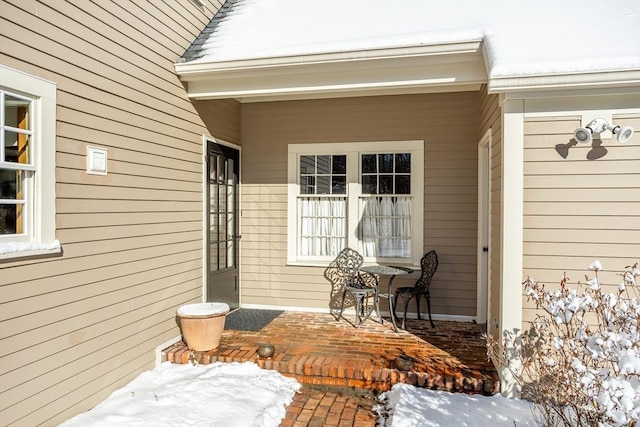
(385, 270)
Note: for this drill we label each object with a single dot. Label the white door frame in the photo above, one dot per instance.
(484, 181)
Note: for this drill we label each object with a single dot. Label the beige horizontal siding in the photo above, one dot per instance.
(42, 285)
(581, 166)
(75, 327)
(222, 118)
(146, 152)
(450, 188)
(579, 209)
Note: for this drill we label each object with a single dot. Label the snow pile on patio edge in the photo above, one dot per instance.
(229, 394)
(409, 406)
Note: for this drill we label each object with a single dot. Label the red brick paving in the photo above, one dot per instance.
(318, 350)
(329, 408)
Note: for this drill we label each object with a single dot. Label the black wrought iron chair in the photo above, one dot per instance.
(428, 267)
(360, 285)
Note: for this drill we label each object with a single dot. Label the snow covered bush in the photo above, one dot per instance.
(579, 362)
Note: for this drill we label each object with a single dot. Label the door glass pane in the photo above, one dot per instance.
(213, 198)
(222, 255)
(213, 169)
(222, 198)
(214, 231)
(231, 240)
(231, 176)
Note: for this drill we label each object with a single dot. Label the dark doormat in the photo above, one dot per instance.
(246, 319)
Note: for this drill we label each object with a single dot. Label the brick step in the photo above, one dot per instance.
(339, 372)
(329, 353)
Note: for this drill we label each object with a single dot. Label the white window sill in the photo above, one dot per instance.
(22, 250)
(325, 264)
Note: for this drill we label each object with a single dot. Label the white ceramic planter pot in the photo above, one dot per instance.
(202, 324)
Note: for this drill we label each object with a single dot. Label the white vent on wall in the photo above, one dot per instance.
(96, 161)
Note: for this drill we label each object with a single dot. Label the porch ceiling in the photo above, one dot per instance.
(447, 67)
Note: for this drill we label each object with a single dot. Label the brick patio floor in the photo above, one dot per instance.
(315, 408)
(332, 359)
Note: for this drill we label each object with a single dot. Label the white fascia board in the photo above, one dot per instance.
(586, 103)
(390, 71)
(580, 93)
(604, 79)
(195, 67)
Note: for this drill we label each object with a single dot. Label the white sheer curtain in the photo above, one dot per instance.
(322, 225)
(386, 226)
(403, 227)
(370, 215)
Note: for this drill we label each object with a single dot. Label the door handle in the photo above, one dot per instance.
(485, 249)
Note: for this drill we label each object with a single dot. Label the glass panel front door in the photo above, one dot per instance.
(223, 164)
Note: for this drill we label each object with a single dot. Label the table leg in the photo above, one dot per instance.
(391, 308)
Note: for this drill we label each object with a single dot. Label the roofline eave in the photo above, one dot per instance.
(442, 67)
(579, 80)
(401, 70)
(187, 69)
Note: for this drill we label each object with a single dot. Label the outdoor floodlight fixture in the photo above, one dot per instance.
(599, 125)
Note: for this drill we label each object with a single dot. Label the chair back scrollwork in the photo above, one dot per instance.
(428, 266)
(348, 263)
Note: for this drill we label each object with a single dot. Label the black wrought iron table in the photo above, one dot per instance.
(391, 272)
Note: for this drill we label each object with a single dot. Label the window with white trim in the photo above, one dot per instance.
(27, 164)
(368, 196)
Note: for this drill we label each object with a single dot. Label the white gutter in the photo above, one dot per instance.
(578, 80)
(197, 67)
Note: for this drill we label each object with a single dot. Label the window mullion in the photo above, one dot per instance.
(354, 190)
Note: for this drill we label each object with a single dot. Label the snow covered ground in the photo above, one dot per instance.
(244, 395)
(415, 407)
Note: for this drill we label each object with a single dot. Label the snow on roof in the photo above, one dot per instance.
(521, 37)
